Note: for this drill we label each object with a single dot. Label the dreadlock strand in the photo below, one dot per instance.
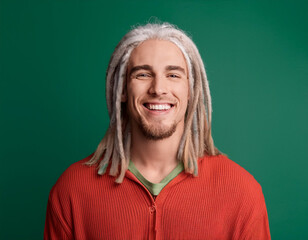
(195, 132)
(114, 169)
(194, 158)
(127, 142)
(201, 123)
(98, 153)
(119, 137)
(123, 160)
(108, 151)
(124, 166)
(186, 158)
(208, 110)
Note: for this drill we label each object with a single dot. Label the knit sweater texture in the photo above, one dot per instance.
(223, 202)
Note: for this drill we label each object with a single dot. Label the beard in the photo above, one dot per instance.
(156, 131)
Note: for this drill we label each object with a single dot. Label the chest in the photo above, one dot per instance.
(131, 213)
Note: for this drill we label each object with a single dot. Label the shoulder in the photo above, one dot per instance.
(241, 193)
(223, 167)
(77, 179)
(68, 193)
(226, 174)
(76, 173)
(231, 182)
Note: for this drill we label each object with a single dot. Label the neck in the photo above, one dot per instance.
(155, 159)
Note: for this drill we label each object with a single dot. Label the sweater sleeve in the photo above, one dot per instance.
(259, 229)
(56, 227)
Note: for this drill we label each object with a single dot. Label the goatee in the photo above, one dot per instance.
(156, 131)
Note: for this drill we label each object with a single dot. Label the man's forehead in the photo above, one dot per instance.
(157, 52)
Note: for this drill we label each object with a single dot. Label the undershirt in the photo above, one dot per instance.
(155, 188)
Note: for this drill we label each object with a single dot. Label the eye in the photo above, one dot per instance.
(174, 75)
(143, 76)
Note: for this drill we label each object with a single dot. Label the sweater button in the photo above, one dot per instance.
(152, 209)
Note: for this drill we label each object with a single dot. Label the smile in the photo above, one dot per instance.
(158, 107)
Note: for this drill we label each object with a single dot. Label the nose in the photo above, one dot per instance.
(158, 86)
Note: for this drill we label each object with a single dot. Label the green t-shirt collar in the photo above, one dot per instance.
(155, 188)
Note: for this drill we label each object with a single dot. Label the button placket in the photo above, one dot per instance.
(152, 209)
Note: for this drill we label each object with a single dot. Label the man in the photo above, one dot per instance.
(157, 174)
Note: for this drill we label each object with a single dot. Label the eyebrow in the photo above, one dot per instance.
(178, 68)
(141, 67)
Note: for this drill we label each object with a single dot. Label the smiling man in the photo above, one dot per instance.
(157, 90)
(157, 174)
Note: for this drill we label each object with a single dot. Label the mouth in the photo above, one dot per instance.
(158, 106)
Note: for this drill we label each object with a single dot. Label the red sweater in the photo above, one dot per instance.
(223, 202)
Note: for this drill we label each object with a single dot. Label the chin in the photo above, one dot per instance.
(157, 132)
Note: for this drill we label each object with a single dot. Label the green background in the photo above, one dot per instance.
(53, 59)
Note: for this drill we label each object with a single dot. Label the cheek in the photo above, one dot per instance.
(185, 106)
(185, 97)
(184, 93)
(132, 100)
(135, 92)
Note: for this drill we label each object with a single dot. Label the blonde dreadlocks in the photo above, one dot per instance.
(196, 141)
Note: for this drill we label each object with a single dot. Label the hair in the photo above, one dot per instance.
(114, 149)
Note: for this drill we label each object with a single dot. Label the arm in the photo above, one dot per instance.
(56, 227)
(259, 228)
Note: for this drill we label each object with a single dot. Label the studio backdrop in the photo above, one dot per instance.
(53, 59)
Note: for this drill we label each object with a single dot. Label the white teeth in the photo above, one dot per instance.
(158, 106)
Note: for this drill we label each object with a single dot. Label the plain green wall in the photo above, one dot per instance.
(54, 55)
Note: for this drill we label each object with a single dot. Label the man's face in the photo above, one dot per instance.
(157, 89)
